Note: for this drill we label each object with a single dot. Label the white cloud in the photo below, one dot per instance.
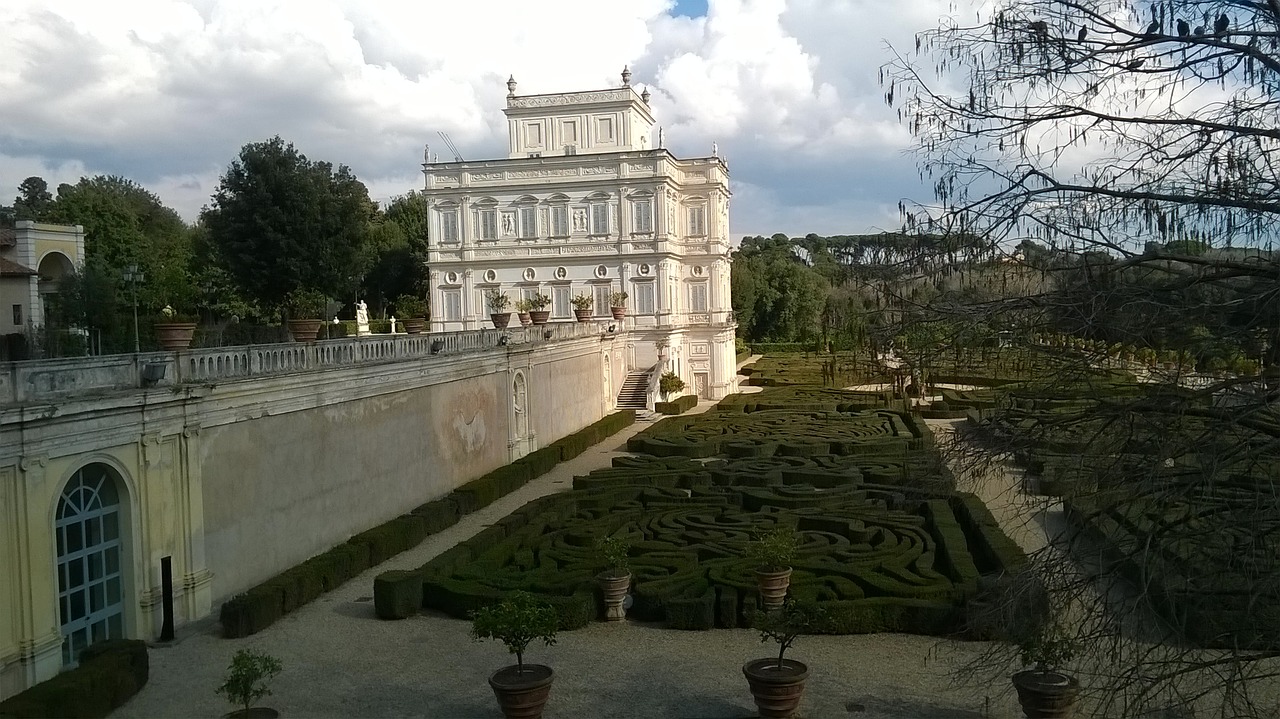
(167, 91)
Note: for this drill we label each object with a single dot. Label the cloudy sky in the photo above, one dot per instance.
(165, 92)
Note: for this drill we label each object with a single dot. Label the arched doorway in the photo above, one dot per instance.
(90, 577)
(54, 266)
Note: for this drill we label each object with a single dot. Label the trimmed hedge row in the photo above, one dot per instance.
(109, 674)
(256, 609)
(681, 405)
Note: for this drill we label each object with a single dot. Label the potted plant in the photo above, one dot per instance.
(174, 330)
(615, 580)
(538, 311)
(498, 303)
(246, 682)
(413, 313)
(773, 552)
(582, 307)
(618, 305)
(523, 307)
(777, 683)
(519, 619)
(306, 310)
(1045, 691)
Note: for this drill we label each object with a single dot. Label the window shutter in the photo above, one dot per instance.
(600, 219)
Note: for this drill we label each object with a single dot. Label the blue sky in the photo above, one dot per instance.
(166, 92)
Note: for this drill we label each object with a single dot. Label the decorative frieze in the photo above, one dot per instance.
(570, 98)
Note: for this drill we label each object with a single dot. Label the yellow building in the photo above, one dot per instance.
(33, 257)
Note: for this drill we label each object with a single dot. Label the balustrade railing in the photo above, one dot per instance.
(37, 380)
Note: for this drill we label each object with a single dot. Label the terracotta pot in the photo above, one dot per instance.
(253, 713)
(522, 695)
(500, 320)
(777, 691)
(618, 312)
(304, 330)
(415, 325)
(539, 317)
(524, 318)
(773, 587)
(1046, 695)
(614, 589)
(175, 336)
(582, 315)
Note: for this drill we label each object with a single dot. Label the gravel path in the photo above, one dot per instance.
(341, 661)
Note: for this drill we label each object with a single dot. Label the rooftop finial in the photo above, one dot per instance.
(645, 96)
(511, 86)
(626, 75)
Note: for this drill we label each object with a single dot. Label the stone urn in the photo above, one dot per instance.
(1046, 694)
(415, 325)
(539, 317)
(304, 330)
(500, 320)
(582, 315)
(618, 312)
(522, 694)
(773, 585)
(174, 336)
(776, 687)
(614, 588)
(525, 320)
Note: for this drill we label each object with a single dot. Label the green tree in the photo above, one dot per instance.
(34, 201)
(280, 222)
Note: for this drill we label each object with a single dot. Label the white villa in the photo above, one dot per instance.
(588, 202)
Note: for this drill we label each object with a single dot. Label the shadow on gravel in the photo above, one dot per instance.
(880, 708)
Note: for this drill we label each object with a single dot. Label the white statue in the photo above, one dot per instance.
(426, 154)
(715, 150)
(661, 137)
(393, 324)
(579, 220)
(508, 223)
(362, 319)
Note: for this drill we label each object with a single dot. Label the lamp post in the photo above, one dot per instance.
(133, 276)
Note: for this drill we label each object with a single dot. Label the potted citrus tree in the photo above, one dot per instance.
(498, 303)
(615, 580)
(773, 553)
(247, 681)
(618, 305)
(523, 307)
(582, 307)
(413, 313)
(174, 330)
(538, 312)
(306, 311)
(777, 683)
(517, 621)
(1044, 690)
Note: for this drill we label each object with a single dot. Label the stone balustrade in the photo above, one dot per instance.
(53, 379)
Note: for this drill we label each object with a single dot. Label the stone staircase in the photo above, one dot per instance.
(634, 391)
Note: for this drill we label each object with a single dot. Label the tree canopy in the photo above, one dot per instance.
(280, 222)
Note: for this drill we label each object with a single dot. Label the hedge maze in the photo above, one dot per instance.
(1172, 493)
(886, 543)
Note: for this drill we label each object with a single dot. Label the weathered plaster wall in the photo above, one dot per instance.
(280, 489)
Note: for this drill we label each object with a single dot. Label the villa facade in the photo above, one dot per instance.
(588, 202)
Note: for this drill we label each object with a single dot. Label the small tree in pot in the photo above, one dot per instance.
(777, 684)
(582, 307)
(246, 682)
(1045, 691)
(618, 305)
(523, 307)
(517, 621)
(306, 312)
(413, 313)
(615, 580)
(773, 552)
(498, 303)
(538, 311)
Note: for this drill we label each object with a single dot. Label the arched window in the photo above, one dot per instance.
(90, 580)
